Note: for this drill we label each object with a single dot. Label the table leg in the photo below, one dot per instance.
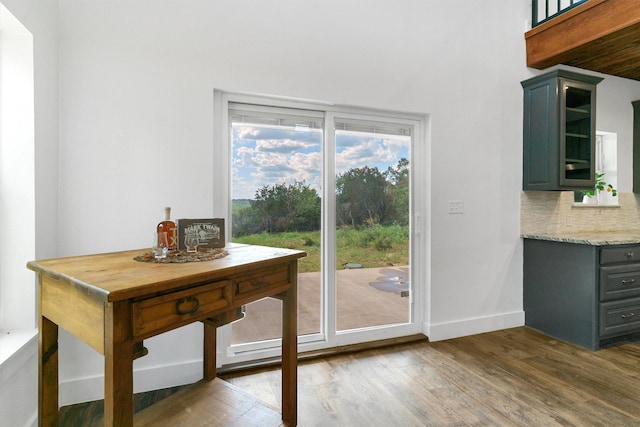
(290, 349)
(118, 365)
(47, 373)
(209, 357)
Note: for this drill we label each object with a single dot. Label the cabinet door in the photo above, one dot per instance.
(540, 137)
(577, 135)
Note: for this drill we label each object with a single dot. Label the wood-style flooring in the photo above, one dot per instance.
(514, 377)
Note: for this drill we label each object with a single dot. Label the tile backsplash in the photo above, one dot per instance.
(555, 212)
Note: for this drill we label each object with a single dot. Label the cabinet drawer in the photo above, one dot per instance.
(262, 280)
(158, 314)
(620, 317)
(620, 281)
(620, 254)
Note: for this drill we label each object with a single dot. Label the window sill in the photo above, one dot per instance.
(16, 348)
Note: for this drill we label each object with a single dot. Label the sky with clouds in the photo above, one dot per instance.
(269, 155)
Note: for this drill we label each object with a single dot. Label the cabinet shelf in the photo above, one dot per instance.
(586, 109)
(576, 166)
(577, 114)
(577, 135)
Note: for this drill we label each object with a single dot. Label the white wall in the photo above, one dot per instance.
(614, 114)
(136, 101)
(18, 380)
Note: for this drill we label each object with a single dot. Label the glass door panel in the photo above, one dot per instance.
(372, 227)
(276, 187)
(578, 135)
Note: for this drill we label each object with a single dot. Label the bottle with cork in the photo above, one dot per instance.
(169, 227)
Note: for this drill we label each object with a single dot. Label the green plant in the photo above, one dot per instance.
(601, 185)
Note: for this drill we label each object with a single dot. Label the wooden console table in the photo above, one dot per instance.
(112, 303)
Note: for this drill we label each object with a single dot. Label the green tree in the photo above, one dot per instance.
(361, 197)
(398, 189)
(282, 207)
(364, 197)
(245, 222)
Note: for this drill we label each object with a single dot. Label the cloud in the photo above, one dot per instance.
(357, 151)
(274, 133)
(281, 145)
(268, 155)
(243, 157)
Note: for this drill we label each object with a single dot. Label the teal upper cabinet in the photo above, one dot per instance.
(559, 131)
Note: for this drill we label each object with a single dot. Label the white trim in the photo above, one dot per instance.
(472, 326)
(33, 421)
(18, 377)
(16, 348)
(420, 220)
(87, 389)
(329, 277)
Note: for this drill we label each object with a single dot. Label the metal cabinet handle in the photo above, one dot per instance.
(195, 305)
(628, 316)
(628, 282)
(630, 254)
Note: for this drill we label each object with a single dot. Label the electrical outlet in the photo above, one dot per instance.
(456, 207)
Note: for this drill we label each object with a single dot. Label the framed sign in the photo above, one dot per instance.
(210, 232)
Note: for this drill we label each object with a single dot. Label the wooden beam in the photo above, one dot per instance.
(553, 42)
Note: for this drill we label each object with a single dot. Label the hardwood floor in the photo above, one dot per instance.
(514, 377)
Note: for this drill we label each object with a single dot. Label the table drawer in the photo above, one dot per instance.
(620, 281)
(620, 317)
(262, 280)
(158, 314)
(612, 255)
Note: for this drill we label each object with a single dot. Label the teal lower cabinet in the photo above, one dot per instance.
(582, 293)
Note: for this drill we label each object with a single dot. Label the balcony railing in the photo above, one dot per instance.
(543, 10)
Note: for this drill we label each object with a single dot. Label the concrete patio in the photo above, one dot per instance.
(365, 297)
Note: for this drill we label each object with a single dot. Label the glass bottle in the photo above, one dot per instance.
(170, 228)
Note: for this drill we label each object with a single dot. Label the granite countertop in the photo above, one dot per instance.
(595, 238)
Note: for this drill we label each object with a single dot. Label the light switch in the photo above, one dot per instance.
(456, 207)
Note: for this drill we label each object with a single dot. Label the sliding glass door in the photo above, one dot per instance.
(338, 186)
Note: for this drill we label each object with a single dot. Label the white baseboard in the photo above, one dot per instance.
(16, 349)
(33, 422)
(461, 328)
(158, 377)
(19, 378)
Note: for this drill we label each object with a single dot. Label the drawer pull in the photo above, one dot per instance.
(630, 255)
(193, 300)
(628, 282)
(628, 316)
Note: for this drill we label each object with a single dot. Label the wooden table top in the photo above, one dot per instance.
(117, 276)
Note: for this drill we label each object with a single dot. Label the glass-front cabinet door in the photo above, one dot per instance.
(577, 135)
(559, 131)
